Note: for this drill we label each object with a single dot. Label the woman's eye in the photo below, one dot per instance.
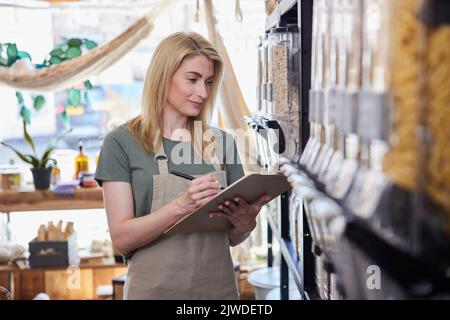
(209, 83)
(192, 80)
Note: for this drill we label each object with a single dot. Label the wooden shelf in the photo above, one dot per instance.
(12, 201)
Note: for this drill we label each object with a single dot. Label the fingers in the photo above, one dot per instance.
(195, 188)
(218, 214)
(231, 205)
(206, 200)
(225, 209)
(261, 201)
(242, 203)
(203, 179)
(203, 194)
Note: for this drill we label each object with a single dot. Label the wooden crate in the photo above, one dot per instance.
(63, 253)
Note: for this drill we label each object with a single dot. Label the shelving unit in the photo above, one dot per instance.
(361, 218)
(299, 266)
(356, 217)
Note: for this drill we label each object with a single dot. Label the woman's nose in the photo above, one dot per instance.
(201, 90)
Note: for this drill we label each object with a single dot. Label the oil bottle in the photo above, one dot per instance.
(81, 162)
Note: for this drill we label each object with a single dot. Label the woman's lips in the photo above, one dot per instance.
(196, 104)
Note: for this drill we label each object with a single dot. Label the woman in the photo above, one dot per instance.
(142, 199)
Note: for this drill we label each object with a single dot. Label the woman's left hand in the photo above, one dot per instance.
(240, 213)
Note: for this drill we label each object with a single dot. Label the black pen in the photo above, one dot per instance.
(186, 176)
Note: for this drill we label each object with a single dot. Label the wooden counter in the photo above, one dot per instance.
(27, 283)
(83, 198)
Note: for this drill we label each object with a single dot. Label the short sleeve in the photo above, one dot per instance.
(113, 162)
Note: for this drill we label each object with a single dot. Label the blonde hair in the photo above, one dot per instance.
(167, 58)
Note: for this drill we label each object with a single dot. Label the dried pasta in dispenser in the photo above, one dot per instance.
(438, 121)
(402, 163)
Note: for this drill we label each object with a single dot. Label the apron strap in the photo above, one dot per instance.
(162, 160)
(216, 163)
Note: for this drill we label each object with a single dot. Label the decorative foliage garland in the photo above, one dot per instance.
(74, 47)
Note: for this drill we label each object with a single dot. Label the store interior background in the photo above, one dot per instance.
(359, 89)
(116, 94)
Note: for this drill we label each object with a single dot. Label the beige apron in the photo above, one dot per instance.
(195, 266)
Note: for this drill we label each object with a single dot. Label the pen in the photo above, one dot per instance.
(186, 176)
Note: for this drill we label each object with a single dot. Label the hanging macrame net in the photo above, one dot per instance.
(71, 72)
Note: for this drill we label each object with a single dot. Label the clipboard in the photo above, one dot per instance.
(249, 187)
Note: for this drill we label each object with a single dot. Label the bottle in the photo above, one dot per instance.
(81, 162)
(56, 175)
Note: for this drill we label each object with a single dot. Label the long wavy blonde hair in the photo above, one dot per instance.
(167, 58)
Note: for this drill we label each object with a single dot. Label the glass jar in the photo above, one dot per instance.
(406, 71)
(437, 107)
(264, 75)
(352, 39)
(284, 85)
(376, 17)
(259, 79)
(281, 41)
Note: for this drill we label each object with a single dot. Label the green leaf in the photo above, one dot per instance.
(64, 119)
(19, 97)
(27, 137)
(25, 114)
(55, 60)
(88, 85)
(74, 97)
(38, 102)
(40, 66)
(33, 160)
(56, 53)
(23, 54)
(64, 47)
(74, 42)
(90, 44)
(26, 158)
(73, 52)
(43, 162)
(12, 53)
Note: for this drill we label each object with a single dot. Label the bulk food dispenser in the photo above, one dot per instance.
(373, 175)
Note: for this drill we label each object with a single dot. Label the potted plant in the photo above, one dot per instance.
(41, 167)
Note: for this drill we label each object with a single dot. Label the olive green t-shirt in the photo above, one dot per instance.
(123, 158)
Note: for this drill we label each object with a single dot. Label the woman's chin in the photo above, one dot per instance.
(193, 113)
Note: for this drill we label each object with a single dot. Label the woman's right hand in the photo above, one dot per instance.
(200, 191)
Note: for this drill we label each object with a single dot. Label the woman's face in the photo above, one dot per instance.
(191, 85)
